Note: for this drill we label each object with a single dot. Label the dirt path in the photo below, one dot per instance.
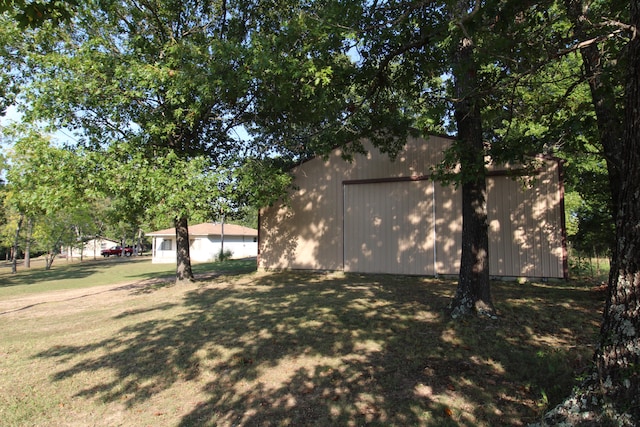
(25, 302)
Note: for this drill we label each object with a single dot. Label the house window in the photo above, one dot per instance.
(165, 245)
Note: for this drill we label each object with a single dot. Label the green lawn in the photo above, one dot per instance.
(246, 348)
(76, 275)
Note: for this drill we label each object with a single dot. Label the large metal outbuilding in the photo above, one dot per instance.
(373, 215)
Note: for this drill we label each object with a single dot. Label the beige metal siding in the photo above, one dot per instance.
(306, 231)
(448, 222)
(358, 216)
(416, 160)
(525, 233)
(389, 228)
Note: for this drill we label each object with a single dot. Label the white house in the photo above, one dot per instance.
(89, 248)
(205, 242)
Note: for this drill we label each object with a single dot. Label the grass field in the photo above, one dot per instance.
(115, 343)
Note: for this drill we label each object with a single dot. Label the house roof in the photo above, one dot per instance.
(106, 239)
(209, 229)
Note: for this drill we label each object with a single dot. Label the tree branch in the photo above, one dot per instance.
(591, 41)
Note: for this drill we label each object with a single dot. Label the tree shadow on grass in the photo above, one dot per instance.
(62, 272)
(313, 349)
(204, 271)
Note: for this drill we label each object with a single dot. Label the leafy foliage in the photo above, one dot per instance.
(44, 186)
(30, 13)
(165, 93)
(175, 94)
(9, 60)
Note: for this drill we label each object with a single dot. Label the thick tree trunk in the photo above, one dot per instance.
(618, 356)
(183, 258)
(473, 294)
(612, 393)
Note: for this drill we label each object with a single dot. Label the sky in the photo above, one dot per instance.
(59, 138)
(12, 115)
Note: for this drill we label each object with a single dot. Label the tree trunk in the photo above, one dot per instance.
(618, 356)
(473, 294)
(27, 245)
(14, 257)
(611, 394)
(221, 257)
(79, 237)
(183, 258)
(608, 118)
(48, 259)
(610, 126)
(139, 242)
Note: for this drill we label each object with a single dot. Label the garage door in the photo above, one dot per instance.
(388, 227)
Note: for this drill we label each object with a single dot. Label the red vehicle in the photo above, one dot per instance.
(117, 251)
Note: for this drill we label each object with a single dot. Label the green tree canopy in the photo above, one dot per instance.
(167, 87)
(45, 188)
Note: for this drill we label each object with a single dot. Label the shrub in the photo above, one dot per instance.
(223, 256)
